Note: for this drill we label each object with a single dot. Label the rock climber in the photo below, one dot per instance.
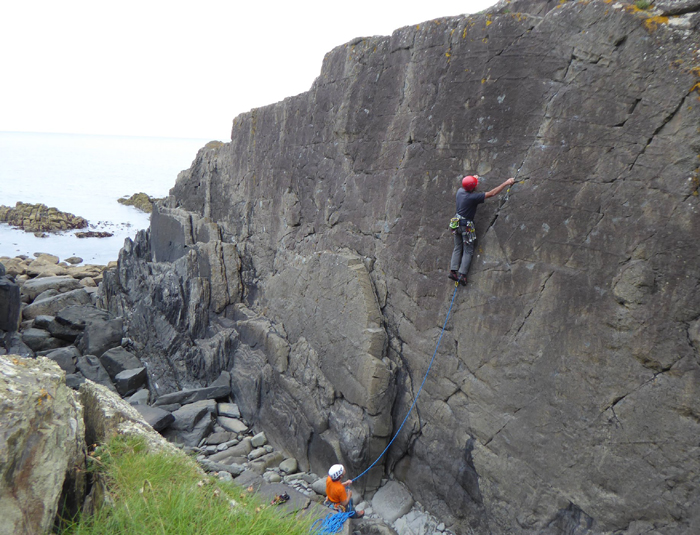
(462, 225)
(336, 493)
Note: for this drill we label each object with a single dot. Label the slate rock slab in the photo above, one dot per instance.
(100, 335)
(157, 418)
(41, 340)
(218, 389)
(53, 305)
(128, 381)
(90, 367)
(10, 305)
(65, 357)
(118, 359)
(192, 423)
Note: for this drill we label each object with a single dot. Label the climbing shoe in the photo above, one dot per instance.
(453, 275)
(358, 514)
(462, 279)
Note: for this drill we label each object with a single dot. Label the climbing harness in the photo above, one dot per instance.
(469, 233)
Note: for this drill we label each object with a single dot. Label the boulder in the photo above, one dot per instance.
(157, 418)
(118, 359)
(66, 358)
(43, 295)
(15, 346)
(77, 317)
(73, 260)
(289, 466)
(128, 381)
(140, 398)
(239, 451)
(100, 335)
(233, 425)
(40, 340)
(10, 304)
(42, 322)
(229, 410)
(218, 389)
(42, 445)
(269, 460)
(90, 367)
(192, 423)
(34, 287)
(259, 440)
(233, 469)
(221, 437)
(392, 501)
(52, 305)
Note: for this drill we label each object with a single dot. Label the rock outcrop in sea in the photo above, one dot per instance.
(40, 218)
(307, 259)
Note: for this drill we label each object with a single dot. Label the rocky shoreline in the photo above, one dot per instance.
(51, 309)
(39, 218)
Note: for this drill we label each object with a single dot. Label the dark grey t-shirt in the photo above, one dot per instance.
(467, 203)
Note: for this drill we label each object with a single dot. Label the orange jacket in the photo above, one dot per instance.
(335, 491)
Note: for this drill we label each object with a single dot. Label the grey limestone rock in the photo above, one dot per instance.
(41, 340)
(90, 367)
(117, 360)
(62, 284)
(259, 440)
(140, 397)
(100, 335)
(65, 357)
(128, 381)
(392, 501)
(192, 422)
(157, 418)
(218, 389)
(51, 305)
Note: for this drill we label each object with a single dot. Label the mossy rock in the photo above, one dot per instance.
(140, 201)
(40, 218)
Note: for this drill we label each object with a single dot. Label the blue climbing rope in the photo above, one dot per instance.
(419, 390)
(333, 523)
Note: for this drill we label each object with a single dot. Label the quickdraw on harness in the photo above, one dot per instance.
(469, 233)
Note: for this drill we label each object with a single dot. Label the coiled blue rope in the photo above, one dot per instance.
(331, 524)
(334, 523)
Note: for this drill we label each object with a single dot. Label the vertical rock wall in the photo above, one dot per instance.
(564, 398)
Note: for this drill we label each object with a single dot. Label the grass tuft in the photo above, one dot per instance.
(166, 494)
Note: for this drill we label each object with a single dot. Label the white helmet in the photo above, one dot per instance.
(336, 471)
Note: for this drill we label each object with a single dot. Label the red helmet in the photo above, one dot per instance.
(470, 182)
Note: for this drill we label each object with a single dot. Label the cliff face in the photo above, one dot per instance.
(309, 257)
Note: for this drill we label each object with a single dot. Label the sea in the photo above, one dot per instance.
(85, 175)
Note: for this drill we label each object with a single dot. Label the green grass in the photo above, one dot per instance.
(643, 4)
(166, 494)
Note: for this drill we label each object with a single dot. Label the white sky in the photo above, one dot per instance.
(175, 68)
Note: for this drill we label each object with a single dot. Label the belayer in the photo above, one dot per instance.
(462, 225)
(336, 495)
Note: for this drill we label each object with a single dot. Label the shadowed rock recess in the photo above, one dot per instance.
(308, 257)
